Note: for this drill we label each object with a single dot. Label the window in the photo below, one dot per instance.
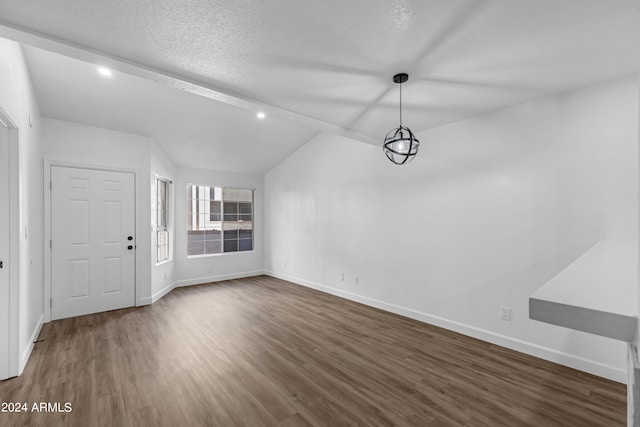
(162, 210)
(219, 220)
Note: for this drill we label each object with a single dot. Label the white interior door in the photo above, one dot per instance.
(93, 241)
(4, 252)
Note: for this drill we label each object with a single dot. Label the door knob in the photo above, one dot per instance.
(129, 247)
(130, 238)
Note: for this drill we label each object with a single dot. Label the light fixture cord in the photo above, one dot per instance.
(400, 104)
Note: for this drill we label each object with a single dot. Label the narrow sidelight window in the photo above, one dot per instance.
(162, 217)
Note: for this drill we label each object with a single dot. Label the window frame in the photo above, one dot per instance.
(193, 203)
(163, 228)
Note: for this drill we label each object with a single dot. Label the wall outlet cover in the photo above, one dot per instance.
(505, 313)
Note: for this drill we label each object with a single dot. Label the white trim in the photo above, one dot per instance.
(161, 178)
(234, 253)
(27, 351)
(162, 292)
(200, 281)
(573, 361)
(210, 279)
(15, 250)
(13, 264)
(46, 236)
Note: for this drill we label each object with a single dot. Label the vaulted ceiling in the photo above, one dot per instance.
(192, 74)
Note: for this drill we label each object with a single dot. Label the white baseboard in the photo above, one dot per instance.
(27, 351)
(576, 362)
(210, 279)
(140, 302)
(162, 292)
(199, 281)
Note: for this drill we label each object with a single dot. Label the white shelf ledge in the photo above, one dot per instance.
(597, 293)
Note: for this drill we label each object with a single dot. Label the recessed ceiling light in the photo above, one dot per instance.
(260, 115)
(104, 71)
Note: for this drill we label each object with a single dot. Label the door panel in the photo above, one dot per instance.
(4, 253)
(92, 216)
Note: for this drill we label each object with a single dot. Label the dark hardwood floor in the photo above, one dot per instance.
(265, 352)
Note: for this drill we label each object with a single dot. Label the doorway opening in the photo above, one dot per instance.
(9, 247)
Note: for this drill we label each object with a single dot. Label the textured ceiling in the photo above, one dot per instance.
(192, 130)
(328, 65)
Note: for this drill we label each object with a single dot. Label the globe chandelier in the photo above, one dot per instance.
(400, 144)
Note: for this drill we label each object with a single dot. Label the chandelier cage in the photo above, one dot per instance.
(400, 144)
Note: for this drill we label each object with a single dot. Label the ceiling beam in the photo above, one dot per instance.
(214, 92)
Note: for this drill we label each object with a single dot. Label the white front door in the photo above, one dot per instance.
(4, 252)
(93, 241)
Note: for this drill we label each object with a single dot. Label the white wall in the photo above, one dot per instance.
(17, 99)
(491, 209)
(222, 266)
(75, 144)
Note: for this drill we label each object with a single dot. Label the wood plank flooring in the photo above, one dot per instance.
(265, 352)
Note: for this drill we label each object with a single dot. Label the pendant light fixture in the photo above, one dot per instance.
(400, 144)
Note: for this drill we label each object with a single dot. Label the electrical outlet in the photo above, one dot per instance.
(505, 313)
(355, 280)
(342, 277)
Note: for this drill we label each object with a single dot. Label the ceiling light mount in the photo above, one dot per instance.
(400, 78)
(400, 144)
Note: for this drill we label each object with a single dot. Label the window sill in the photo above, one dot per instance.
(220, 254)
